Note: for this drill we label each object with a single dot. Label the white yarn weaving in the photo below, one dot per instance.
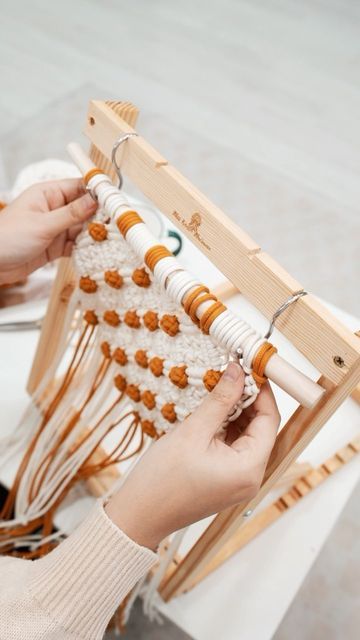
(199, 353)
(139, 341)
(176, 369)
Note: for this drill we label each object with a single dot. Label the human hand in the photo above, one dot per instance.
(198, 469)
(41, 225)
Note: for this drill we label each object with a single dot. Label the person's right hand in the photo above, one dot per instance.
(197, 469)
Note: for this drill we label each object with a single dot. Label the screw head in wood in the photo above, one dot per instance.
(339, 361)
(247, 513)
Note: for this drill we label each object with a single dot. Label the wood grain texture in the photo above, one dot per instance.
(270, 514)
(309, 326)
(295, 436)
(56, 322)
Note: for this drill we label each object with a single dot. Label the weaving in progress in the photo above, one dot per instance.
(149, 341)
(131, 344)
(142, 357)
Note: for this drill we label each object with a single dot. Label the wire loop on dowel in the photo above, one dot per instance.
(116, 145)
(285, 305)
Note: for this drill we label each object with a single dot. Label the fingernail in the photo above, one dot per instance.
(232, 372)
(88, 201)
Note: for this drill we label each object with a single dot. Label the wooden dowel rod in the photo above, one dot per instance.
(296, 384)
(225, 290)
(81, 159)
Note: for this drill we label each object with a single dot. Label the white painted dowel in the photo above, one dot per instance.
(285, 375)
(81, 159)
(294, 382)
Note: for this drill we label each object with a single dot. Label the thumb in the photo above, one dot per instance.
(215, 407)
(74, 213)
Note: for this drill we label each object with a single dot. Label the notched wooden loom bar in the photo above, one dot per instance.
(301, 487)
(323, 340)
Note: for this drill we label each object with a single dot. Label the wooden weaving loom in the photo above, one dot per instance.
(330, 347)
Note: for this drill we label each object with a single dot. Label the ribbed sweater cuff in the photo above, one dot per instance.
(81, 583)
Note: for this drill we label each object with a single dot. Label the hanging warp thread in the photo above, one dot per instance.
(140, 361)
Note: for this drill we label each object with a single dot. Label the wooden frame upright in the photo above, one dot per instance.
(315, 332)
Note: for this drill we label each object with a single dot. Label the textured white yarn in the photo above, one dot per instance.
(190, 347)
(149, 593)
(229, 335)
(51, 169)
(92, 259)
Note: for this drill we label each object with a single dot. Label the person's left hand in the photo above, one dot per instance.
(41, 225)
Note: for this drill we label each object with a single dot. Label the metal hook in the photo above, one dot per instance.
(117, 144)
(281, 309)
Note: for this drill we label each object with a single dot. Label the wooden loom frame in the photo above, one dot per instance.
(322, 339)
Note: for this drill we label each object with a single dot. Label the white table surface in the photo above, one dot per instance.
(248, 596)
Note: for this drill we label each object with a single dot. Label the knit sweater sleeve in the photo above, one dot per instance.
(72, 593)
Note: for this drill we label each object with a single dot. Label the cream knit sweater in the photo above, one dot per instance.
(72, 593)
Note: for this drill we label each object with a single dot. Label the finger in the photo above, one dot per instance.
(262, 429)
(215, 407)
(74, 231)
(58, 193)
(68, 248)
(71, 189)
(74, 213)
(56, 247)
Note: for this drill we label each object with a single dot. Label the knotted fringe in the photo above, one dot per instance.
(83, 409)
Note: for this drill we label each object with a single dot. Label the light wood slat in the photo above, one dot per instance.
(295, 436)
(55, 324)
(260, 521)
(311, 328)
(293, 473)
(356, 394)
(129, 113)
(302, 487)
(239, 540)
